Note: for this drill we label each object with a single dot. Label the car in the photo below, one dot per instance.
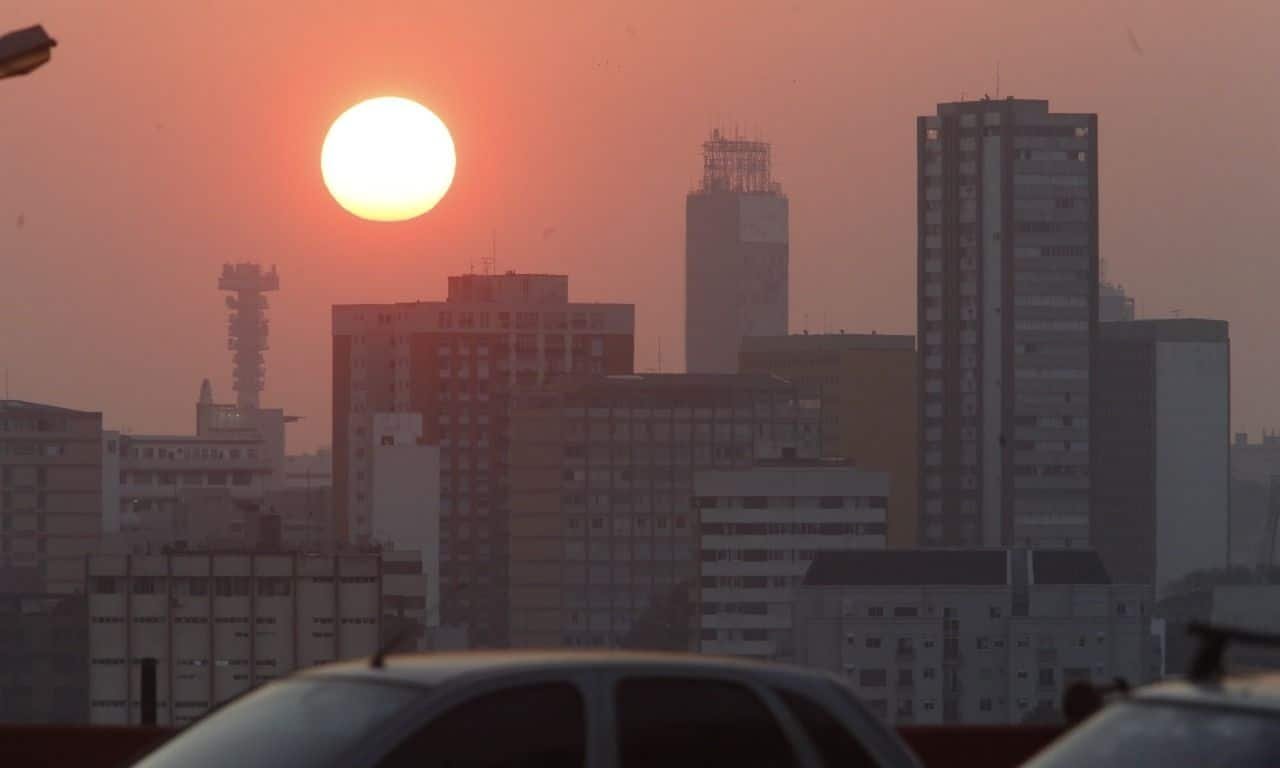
(1208, 718)
(554, 709)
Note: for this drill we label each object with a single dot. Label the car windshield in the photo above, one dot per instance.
(311, 723)
(1170, 736)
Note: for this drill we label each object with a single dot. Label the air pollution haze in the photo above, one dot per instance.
(168, 138)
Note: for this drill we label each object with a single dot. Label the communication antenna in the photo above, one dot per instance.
(997, 78)
(659, 354)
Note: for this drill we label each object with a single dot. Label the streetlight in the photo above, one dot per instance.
(24, 50)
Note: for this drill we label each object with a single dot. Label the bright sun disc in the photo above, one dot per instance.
(388, 159)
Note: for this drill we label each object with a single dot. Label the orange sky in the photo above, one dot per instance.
(166, 138)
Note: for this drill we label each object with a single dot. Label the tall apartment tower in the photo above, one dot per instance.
(247, 327)
(457, 362)
(736, 254)
(1007, 313)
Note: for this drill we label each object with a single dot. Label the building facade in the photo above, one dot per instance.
(457, 363)
(1162, 460)
(760, 529)
(50, 493)
(43, 649)
(221, 623)
(737, 256)
(1114, 305)
(971, 636)
(866, 384)
(604, 537)
(1008, 291)
(406, 496)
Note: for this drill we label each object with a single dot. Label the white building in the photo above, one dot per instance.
(221, 623)
(1162, 458)
(406, 496)
(972, 636)
(760, 529)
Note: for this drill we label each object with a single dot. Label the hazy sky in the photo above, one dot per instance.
(167, 138)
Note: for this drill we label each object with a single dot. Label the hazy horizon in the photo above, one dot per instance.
(164, 140)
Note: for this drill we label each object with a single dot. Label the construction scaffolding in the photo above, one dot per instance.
(247, 327)
(737, 165)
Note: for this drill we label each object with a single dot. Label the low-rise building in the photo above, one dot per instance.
(43, 649)
(760, 529)
(220, 623)
(973, 636)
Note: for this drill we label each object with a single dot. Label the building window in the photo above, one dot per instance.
(873, 678)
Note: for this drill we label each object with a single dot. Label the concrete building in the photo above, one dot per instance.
(309, 470)
(43, 647)
(736, 254)
(866, 384)
(456, 363)
(1161, 435)
(50, 493)
(972, 636)
(760, 529)
(1008, 293)
(603, 531)
(1114, 305)
(220, 623)
(406, 496)
(1253, 464)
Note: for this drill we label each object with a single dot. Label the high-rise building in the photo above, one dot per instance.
(457, 362)
(970, 635)
(1008, 287)
(736, 254)
(866, 385)
(1161, 452)
(51, 506)
(604, 534)
(760, 528)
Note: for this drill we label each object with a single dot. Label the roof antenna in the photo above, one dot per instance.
(659, 354)
(379, 656)
(997, 78)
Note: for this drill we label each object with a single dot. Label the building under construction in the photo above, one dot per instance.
(736, 254)
(247, 326)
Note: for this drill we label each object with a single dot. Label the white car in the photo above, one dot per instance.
(541, 710)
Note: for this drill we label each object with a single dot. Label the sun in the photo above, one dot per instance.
(388, 159)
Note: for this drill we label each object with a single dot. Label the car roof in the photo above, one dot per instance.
(432, 669)
(1259, 691)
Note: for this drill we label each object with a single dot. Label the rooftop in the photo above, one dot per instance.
(1174, 329)
(951, 567)
(23, 405)
(827, 342)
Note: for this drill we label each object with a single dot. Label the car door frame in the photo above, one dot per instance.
(804, 750)
(442, 698)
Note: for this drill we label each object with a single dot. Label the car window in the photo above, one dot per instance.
(835, 745)
(1169, 736)
(302, 723)
(684, 723)
(530, 726)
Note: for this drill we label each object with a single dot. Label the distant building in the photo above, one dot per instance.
(220, 623)
(866, 384)
(1161, 435)
(1114, 305)
(309, 470)
(406, 496)
(1253, 464)
(760, 528)
(603, 532)
(972, 636)
(50, 493)
(736, 254)
(1008, 287)
(44, 677)
(456, 363)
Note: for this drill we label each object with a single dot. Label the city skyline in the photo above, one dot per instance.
(76, 251)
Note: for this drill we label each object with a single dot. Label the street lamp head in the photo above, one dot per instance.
(24, 50)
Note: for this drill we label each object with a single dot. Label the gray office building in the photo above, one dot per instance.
(1008, 289)
(736, 254)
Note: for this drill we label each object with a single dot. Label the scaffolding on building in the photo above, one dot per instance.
(737, 165)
